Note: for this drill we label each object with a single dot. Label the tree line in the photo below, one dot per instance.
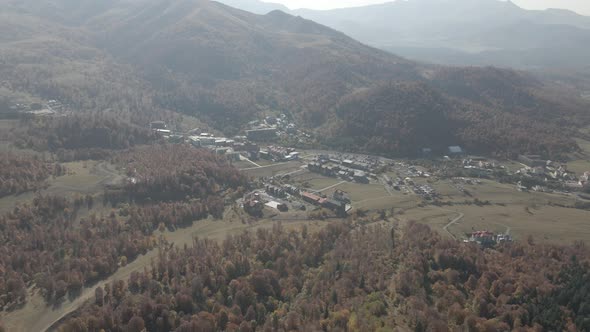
(20, 173)
(92, 135)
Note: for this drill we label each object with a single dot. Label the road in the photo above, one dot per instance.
(330, 187)
(46, 316)
(452, 222)
(386, 185)
(250, 161)
(303, 169)
(259, 167)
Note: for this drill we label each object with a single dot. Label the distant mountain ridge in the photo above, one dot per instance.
(464, 32)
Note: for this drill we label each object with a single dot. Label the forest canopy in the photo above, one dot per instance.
(347, 278)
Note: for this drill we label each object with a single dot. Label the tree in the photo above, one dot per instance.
(136, 324)
(99, 296)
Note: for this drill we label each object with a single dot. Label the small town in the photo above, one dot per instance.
(290, 179)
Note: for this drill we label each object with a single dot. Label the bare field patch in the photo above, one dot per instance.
(318, 182)
(8, 203)
(360, 192)
(387, 202)
(84, 177)
(433, 216)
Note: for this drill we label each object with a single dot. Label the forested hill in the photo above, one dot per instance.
(227, 66)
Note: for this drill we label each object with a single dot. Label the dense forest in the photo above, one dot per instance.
(60, 245)
(348, 278)
(176, 172)
(400, 119)
(20, 173)
(88, 135)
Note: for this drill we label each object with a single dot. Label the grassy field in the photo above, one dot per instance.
(545, 223)
(520, 213)
(82, 178)
(314, 181)
(433, 216)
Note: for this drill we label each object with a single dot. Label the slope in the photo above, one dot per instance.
(216, 59)
(228, 66)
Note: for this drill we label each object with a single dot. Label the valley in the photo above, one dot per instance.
(191, 166)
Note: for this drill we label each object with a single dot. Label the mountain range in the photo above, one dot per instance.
(227, 66)
(460, 32)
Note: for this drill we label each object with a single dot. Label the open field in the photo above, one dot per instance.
(434, 216)
(86, 177)
(496, 192)
(315, 181)
(9, 202)
(581, 163)
(520, 213)
(361, 192)
(20, 320)
(545, 224)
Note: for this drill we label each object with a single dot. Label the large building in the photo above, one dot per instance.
(456, 151)
(262, 134)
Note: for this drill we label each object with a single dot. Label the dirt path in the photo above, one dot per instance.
(250, 161)
(330, 187)
(37, 316)
(452, 222)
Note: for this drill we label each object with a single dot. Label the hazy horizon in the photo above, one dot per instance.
(578, 6)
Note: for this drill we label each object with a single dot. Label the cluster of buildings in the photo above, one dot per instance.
(487, 238)
(253, 204)
(278, 196)
(551, 171)
(161, 128)
(336, 203)
(480, 166)
(270, 128)
(221, 145)
(426, 191)
(50, 108)
(406, 170)
(275, 191)
(279, 153)
(358, 169)
(343, 172)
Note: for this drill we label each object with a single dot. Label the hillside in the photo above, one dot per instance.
(143, 59)
(215, 59)
(347, 278)
(462, 32)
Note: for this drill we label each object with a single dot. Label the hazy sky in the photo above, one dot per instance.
(580, 6)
